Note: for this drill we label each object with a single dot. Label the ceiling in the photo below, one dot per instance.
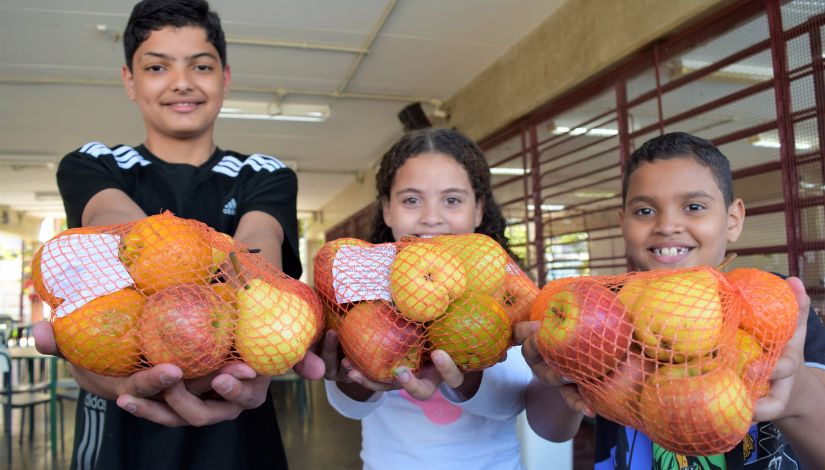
(60, 70)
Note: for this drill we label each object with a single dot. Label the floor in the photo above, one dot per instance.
(306, 420)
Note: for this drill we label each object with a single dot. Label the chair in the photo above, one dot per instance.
(6, 328)
(67, 389)
(12, 398)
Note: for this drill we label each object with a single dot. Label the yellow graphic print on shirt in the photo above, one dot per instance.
(664, 459)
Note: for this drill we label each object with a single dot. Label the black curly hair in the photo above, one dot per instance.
(456, 145)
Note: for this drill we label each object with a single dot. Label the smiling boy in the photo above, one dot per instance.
(176, 73)
(678, 212)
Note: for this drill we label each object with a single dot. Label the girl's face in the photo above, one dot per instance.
(431, 195)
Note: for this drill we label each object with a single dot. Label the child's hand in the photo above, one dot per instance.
(524, 333)
(332, 356)
(774, 405)
(443, 369)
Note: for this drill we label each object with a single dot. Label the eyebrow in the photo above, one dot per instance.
(687, 195)
(198, 55)
(446, 191)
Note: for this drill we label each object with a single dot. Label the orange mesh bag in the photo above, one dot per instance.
(163, 290)
(393, 303)
(681, 355)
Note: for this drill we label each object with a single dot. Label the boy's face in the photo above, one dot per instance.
(431, 195)
(675, 216)
(177, 82)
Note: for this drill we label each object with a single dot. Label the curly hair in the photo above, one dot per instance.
(456, 145)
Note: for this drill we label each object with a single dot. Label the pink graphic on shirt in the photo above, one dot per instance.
(437, 409)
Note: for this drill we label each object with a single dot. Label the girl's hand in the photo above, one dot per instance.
(525, 334)
(333, 356)
(443, 369)
(774, 405)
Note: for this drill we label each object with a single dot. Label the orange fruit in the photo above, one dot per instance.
(771, 309)
(102, 335)
(163, 251)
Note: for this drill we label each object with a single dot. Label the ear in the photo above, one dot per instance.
(385, 210)
(479, 212)
(736, 220)
(128, 81)
(227, 80)
(621, 217)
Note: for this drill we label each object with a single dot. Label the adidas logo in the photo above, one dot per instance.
(230, 207)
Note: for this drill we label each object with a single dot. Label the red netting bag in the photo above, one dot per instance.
(170, 290)
(393, 303)
(681, 355)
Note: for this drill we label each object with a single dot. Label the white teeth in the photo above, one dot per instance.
(670, 251)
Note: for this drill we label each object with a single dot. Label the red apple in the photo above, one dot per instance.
(694, 412)
(378, 340)
(186, 325)
(585, 330)
(616, 395)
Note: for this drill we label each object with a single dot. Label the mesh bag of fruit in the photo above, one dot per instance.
(393, 303)
(170, 290)
(681, 355)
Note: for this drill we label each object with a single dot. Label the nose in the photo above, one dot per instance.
(669, 222)
(181, 81)
(431, 214)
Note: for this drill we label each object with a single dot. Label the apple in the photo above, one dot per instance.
(752, 364)
(585, 330)
(277, 323)
(676, 316)
(322, 267)
(219, 253)
(424, 278)
(692, 412)
(101, 336)
(484, 260)
(475, 332)
(616, 395)
(163, 251)
(378, 340)
(186, 325)
(772, 311)
(517, 296)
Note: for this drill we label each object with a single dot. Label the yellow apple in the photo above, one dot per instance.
(484, 260)
(424, 278)
(219, 255)
(676, 316)
(475, 332)
(517, 296)
(277, 323)
(692, 412)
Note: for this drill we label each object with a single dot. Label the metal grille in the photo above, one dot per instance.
(751, 79)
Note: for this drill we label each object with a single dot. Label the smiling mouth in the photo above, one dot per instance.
(670, 251)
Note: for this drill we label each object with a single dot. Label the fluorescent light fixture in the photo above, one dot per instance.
(499, 171)
(547, 207)
(596, 131)
(771, 143)
(274, 111)
(594, 194)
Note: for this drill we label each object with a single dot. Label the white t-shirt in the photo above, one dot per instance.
(400, 432)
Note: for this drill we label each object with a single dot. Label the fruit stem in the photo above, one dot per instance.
(725, 262)
(236, 265)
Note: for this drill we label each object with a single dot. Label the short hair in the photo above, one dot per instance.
(153, 15)
(682, 144)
